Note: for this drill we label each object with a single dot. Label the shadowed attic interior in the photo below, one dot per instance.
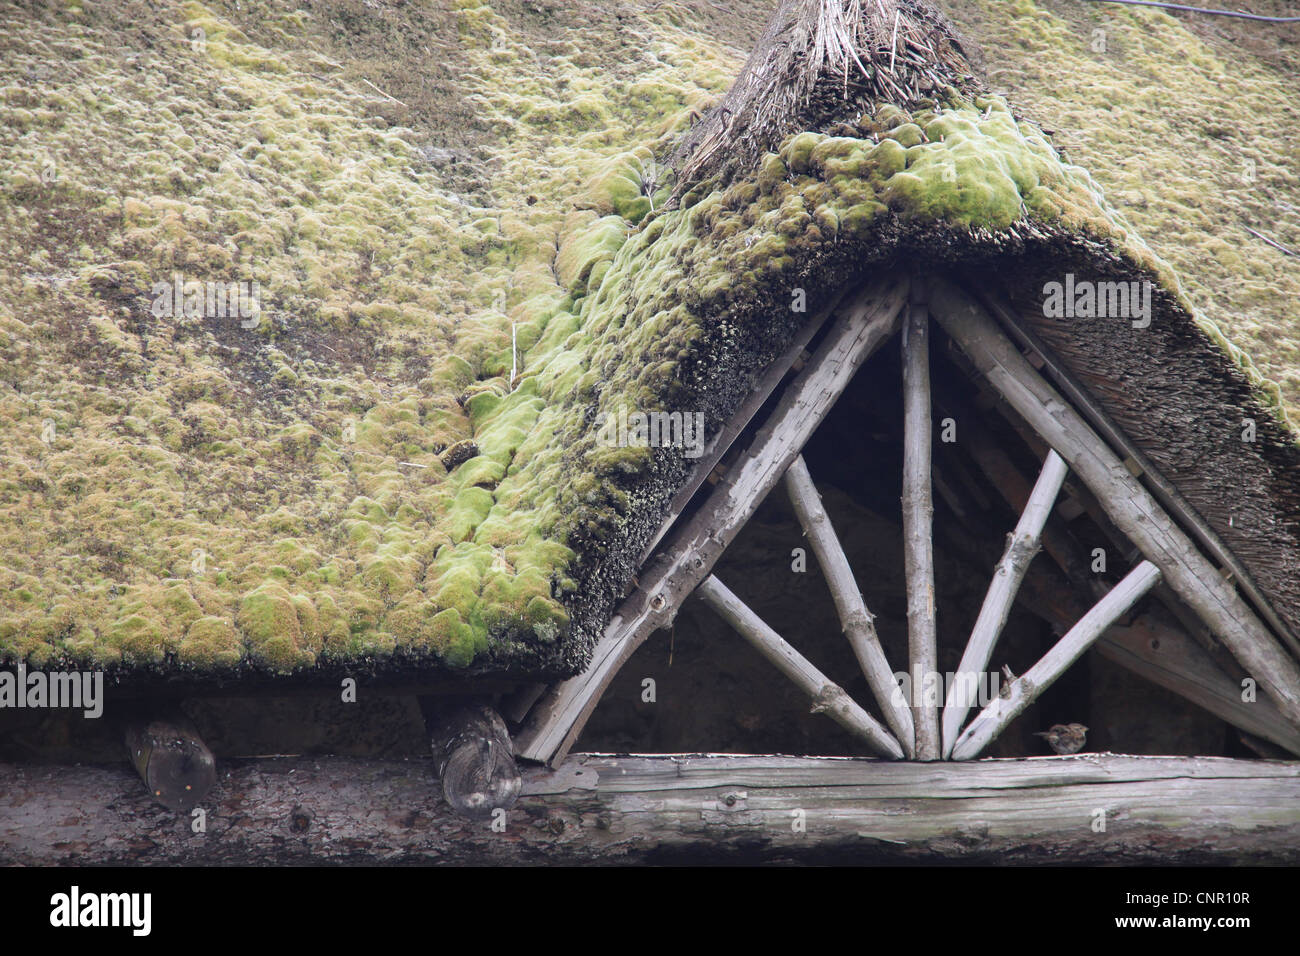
(713, 693)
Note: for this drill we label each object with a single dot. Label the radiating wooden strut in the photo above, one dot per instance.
(859, 624)
(1010, 571)
(1024, 690)
(1127, 503)
(827, 696)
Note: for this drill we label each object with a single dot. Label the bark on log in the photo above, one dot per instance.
(675, 809)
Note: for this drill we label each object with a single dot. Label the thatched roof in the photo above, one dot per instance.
(372, 476)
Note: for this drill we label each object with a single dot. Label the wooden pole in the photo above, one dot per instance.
(918, 518)
(1024, 690)
(1134, 511)
(1015, 488)
(675, 808)
(1021, 548)
(859, 624)
(173, 761)
(871, 317)
(827, 696)
(1150, 647)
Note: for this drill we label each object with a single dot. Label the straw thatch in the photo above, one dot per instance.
(820, 62)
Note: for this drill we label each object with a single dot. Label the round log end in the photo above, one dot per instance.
(480, 776)
(174, 763)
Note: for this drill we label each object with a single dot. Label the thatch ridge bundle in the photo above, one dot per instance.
(819, 62)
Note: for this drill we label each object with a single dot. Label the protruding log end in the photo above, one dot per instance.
(172, 760)
(476, 760)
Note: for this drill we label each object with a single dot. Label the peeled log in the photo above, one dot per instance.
(676, 809)
(476, 760)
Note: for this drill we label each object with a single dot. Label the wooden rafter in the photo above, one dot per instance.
(918, 520)
(1170, 659)
(723, 439)
(858, 623)
(1134, 511)
(827, 696)
(1150, 647)
(1021, 548)
(1024, 690)
(868, 321)
(1160, 487)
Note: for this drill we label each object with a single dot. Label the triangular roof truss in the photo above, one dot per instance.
(1166, 559)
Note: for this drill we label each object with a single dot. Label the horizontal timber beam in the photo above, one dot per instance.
(625, 810)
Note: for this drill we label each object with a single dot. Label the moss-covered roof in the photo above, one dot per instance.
(356, 477)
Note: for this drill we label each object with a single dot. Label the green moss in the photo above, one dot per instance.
(275, 495)
(584, 249)
(269, 620)
(210, 642)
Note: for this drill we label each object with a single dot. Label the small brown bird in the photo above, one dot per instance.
(1065, 738)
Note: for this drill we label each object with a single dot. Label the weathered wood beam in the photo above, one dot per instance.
(629, 810)
(1196, 667)
(171, 758)
(1161, 488)
(1194, 579)
(1163, 652)
(827, 696)
(858, 623)
(474, 758)
(687, 559)
(1024, 690)
(1021, 548)
(1167, 657)
(793, 358)
(918, 524)
(1015, 487)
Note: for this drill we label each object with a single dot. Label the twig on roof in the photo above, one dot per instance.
(1275, 245)
(1240, 15)
(381, 92)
